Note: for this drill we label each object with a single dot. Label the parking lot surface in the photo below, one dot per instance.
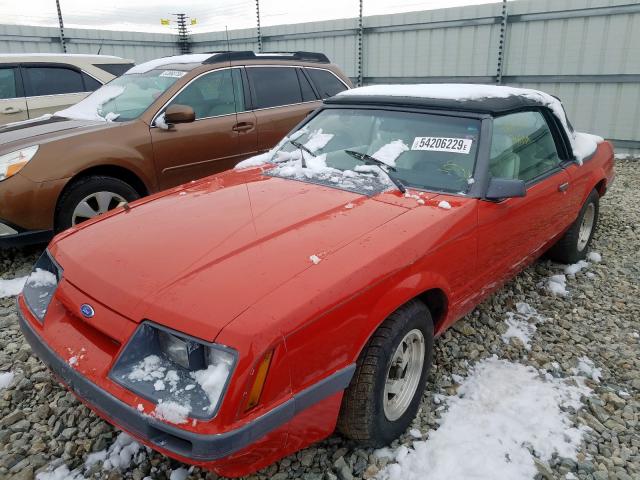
(589, 338)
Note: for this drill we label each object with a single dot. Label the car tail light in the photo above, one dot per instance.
(259, 380)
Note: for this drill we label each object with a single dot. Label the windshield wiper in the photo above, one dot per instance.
(369, 160)
(301, 147)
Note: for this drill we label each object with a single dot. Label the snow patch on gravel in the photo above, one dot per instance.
(12, 287)
(557, 285)
(587, 368)
(522, 324)
(501, 412)
(5, 379)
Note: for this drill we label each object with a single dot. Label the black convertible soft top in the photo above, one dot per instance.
(491, 105)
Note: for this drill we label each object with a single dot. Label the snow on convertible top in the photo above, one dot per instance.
(583, 144)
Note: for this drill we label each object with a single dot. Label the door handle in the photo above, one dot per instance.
(563, 187)
(242, 126)
(10, 110)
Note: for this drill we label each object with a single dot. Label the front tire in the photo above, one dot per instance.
(386, 389)
(574, 244)
(90, 197)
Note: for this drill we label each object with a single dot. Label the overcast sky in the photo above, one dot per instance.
(211, 15)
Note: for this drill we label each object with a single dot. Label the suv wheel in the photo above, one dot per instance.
(386, 389)
(90, 197)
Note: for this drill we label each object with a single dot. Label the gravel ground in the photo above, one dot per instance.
(41, 425)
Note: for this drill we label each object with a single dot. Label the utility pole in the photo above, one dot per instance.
(502, 46)
(62, 42)
(184, 39)
(258, 21)
(360, 35)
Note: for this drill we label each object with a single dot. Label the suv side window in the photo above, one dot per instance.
(326, 82)
(274, 86)
(522, 146)
(8, 83)
(90, 83)
(52, 81)
(214, 94)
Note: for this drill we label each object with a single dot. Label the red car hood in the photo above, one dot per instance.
(197, 257)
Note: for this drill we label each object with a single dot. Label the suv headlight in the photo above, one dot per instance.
(12, 163)
(162, 365)
(41, 284)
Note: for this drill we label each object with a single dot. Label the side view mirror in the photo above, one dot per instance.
(500, 188)
(179, 114)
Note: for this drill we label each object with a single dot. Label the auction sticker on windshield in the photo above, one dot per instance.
(442, 144)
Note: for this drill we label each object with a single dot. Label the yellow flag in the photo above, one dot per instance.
(193, 21)
(164, 21)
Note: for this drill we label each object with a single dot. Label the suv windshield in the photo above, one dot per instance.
(126, 97)
(424, 151)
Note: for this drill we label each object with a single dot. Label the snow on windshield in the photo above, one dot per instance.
(89, 108)
(299, 164)
(583, 144)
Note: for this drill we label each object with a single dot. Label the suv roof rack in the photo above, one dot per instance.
(250, 55)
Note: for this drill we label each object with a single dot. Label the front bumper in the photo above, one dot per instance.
(173, 440)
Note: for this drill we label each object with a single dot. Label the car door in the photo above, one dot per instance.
(13, 105)
(514, 231)
(222, 134)
(51, 87)
(282, 96)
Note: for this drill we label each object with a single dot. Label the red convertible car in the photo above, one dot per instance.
(234, 320)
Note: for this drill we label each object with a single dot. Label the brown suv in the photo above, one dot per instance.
(162, 123)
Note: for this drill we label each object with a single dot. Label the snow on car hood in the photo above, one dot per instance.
(88, 108)
(194, 259)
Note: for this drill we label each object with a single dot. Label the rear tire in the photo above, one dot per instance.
(370, 413)
(574, 244)
(89, 197)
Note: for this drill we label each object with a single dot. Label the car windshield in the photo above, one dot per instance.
(125, 97)
(344, 147)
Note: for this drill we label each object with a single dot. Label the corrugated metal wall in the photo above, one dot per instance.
(139, 46)
(585, 51)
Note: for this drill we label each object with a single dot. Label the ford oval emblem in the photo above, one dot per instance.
(87, 310)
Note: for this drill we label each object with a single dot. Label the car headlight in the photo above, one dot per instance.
(162, 365)
(41, 284)
(12, 163)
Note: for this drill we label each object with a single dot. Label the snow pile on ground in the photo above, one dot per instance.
(60, 473)
(12, 287)
(5, 379)
(594, 257)
(503, 412)
(41, 278)
(557, 285)
(575, 267)
(587, 368)
(583, 144)
(172, 412)
(89, 108)
(212, 380)
(522, 324)
(180, 473)
(120, 454)
(159, 62)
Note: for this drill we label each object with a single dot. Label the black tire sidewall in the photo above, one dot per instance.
(385, 431)
(85, 187)
(593, 198)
